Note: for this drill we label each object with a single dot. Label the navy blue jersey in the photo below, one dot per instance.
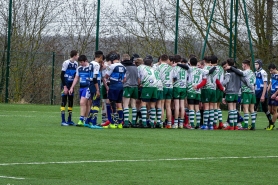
(274, 83)
(70, 70)
(261, 77)
(83, 73)
(116, 74)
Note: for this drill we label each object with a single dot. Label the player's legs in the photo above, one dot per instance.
(191, 105)
(198, 113)
(83, 105)
(181, 113)
(253, 116)
(88, 107)
(206, 115)
(246, 114)
(70, 105)
(177, 113)
(63, 109)
(159, 110)
(168, 112)
(231, 114)
(273, 110)
(211, 115)
(134, 110)
(163, 109)
(83, 108)
(145, 97)
(144, 112)
(266, 111)
(152, 113)
(275, 114)
(126, 111)
(186, 106)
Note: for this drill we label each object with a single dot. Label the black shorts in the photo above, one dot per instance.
(193, 102)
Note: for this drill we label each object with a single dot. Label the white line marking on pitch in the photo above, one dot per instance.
(6, 177)
(139, 160)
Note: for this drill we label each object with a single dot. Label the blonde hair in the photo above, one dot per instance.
(139, 61)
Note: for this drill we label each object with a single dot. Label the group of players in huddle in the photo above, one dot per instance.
(173, 88)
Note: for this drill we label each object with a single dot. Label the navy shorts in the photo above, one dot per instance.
(83, 92)
(116, 95)
(272, 102)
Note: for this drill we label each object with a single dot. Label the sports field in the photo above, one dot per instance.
(35, 149)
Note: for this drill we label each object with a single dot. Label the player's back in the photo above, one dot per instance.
(131, 76)
(83, 73)
(274, 83)
(147, 76)
(166, 75)
(231, 82)
(195, 76)
(250, 77)
(116, 74)
(180, 75)
(211, 78)
(261, 77)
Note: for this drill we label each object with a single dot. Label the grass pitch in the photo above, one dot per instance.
(35, 149)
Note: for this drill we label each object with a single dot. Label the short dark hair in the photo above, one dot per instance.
(82, 58)
(172, 58)
(164, 57)
(183, 60)
(192, 56)
(223, 63)
(98, 54)
(177, 58)
(148, 62)
(230, 62)
(246, 62)
(107, 57)
(207, 59)
(193, 61)
(73, 53)
(114, 56)
(213, 59)
(272, 66)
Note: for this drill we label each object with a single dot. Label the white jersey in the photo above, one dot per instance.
(94, 68)
(158, 80)
(195, 77)
(211, 78)
(155, 66)
(180, 75)
(250, 77)
(166, 75)
(146, 75)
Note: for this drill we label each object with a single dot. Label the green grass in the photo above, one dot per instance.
(32, 133)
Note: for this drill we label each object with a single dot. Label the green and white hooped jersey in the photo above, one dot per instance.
(181, 76)
(158, 80)
(195, 77)
(166, 75)
(250, 77)
(147, 76)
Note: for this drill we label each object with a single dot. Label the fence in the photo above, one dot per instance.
(33, 78)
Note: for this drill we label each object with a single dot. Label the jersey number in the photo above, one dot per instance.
(196, 79)
(149, 71)
(182, 75)
(167, 74)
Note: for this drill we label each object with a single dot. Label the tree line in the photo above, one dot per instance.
(41, 27)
